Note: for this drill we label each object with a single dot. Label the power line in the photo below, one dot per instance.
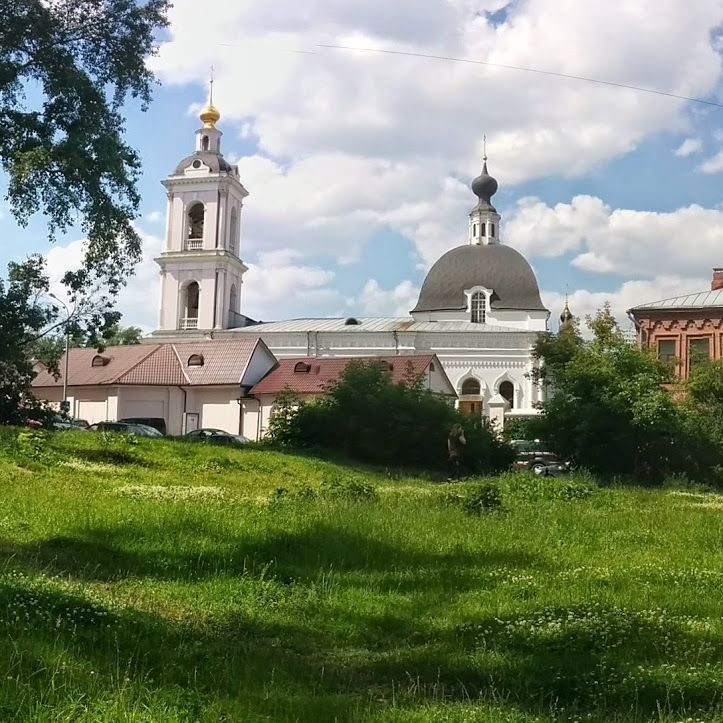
(524, 69)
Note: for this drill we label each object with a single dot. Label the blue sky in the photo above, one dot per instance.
(358, 164)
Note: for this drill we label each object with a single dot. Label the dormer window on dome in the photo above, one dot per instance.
(478, 308)
(99, 360)
(195, 360)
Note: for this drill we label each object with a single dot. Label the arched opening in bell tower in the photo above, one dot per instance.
(233, 299)
(233, 233)
(189, 306)
(196, 215)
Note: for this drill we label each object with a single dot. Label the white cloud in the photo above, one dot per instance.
(376, 301)
(623, 241)
(155, 217)
(138, 301)
(322, 101)
(631, 293)
(713, 164)
(688, 147)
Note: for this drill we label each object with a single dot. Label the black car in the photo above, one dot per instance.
(215, 436)
(140, 430)
(532, 455)
(158, 423)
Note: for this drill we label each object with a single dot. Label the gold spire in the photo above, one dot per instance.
(210, 114)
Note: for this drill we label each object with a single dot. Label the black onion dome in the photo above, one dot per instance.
(215, 161)
(484, 187)
(566, 314)
(492, 266)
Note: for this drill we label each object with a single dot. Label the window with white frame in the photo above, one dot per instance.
(479, 308)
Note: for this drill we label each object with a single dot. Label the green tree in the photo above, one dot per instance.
(369, 417)
(66, 69)
(608, 408)
(21, 316)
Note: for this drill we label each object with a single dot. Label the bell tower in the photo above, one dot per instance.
(200, 266)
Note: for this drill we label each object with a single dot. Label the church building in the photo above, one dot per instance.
(479, 308)
(469, 337)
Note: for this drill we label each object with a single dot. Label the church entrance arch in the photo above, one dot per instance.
(470, 397)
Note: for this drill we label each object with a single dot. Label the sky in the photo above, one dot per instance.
(358, 163)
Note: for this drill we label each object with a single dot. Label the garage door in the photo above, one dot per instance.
(92, 410)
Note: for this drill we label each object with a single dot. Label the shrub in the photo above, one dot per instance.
(33, 444)
(485, 497)
(351, 488)
(368, 417)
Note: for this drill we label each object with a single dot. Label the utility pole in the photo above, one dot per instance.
(65, 406)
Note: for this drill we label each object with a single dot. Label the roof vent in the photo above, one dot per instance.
(195, 360)
(302, 368)
(99, 361)
(351, 321)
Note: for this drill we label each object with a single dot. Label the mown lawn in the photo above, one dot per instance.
(169, 582)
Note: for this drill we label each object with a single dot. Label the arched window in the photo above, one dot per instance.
(482, 229)
(492, 230)
(233, 233)
(189, 306)
(99, 361)
(204, 143)
(195, 360)
(302, 368)
(233, 299)
(195, 221)
(471, 386)
(479, 308)
(386, 366)
(507, 390)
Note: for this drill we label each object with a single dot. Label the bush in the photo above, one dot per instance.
(482, 498)
(368, 417)
(351, 488)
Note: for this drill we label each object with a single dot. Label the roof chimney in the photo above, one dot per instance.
(717, 279)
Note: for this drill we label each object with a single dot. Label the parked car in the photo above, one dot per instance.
(140, 430)
(533, 456)
(158, 423)
(215, 436)
(68, 424)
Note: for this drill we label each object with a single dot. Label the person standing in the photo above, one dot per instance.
(455, 450)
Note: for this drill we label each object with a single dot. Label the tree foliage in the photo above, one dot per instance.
(608, 408)
(21, 316)
(66, 69)
(368, 417)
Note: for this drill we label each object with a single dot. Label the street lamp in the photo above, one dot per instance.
(66, 405)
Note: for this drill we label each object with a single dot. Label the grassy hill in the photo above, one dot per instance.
(171, 582)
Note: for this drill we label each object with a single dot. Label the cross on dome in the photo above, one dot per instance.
(210, 115)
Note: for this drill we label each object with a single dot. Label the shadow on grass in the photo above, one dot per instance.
(297, 662)
(303, 670)
(112, 553)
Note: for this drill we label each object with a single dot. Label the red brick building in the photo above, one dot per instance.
(684, 329)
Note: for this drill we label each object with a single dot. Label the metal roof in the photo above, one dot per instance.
(371, 324)
(313, 375)
(700, 300)
(223, 362)
(493, 266)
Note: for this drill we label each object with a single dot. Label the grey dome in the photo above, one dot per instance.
(484, 187)
(215, 161)
(493, 266)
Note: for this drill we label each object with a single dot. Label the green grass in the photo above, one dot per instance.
(168, 582)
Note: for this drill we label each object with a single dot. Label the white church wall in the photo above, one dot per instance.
(217, 407)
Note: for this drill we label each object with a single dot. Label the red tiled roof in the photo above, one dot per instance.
(224, 362)
(325, 370)
(81, 371)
